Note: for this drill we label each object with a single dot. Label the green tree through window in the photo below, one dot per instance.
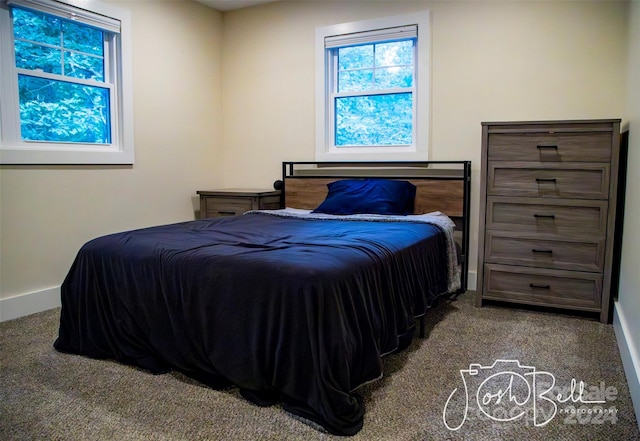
(374, 96)
(62, 91)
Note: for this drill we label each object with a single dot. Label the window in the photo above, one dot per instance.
(65, 91)
(372, 84)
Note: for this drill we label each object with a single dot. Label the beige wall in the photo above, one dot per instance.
(630, 276)
(48, 212)
(627, 322)
(491, 61)
(222, 99)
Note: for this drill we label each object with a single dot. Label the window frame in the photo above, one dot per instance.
(325, 149)
(14, 150)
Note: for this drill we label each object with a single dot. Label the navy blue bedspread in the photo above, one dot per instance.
(289, 310)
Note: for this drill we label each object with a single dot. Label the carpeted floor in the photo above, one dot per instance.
(46, 395)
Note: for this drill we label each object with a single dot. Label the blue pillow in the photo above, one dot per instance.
(373, 196)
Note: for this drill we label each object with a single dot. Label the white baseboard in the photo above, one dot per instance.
(628, 345)
(472, 280)
(30, 303)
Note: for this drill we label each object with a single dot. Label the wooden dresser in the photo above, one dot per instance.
(232, 202)
(547, 213)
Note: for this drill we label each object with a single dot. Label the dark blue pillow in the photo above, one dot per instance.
(374, 196)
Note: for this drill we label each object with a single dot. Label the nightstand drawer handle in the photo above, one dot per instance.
(549, 216)
(540, 147)
(533, 285)
(545, 179)
(227, 213)
(542, 251)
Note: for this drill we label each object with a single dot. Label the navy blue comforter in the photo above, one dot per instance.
(289, 310)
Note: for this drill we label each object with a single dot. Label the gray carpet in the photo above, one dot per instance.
(46, 395)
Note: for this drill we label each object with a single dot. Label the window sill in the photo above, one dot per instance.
(372, 156)
(17, 156)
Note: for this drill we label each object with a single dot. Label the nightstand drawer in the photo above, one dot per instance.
(585, 218)
(548, 180)
(568, 147)
(215, 207)
(515, 248)
(545, 287)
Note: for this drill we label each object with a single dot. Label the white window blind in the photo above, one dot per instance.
(375, 36)
(69, 12)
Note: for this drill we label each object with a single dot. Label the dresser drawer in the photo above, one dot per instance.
(545, 287)
(515, 248)
(585, 218)
(575, 180)
(559, 147)
(226, 206)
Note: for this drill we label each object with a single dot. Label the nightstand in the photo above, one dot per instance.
(235, 201)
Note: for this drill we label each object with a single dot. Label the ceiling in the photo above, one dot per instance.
(228, 5)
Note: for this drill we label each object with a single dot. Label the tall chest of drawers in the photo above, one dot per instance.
(547, 213)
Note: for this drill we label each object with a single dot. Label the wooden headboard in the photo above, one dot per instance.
(440, 186)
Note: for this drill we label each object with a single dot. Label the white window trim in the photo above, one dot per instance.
(120, 151)
(420, 150)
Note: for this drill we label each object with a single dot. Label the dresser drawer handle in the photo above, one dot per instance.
(545, 179)
(533, 285)
(227, 213)
(540, 147)
(548, 216)
(542, 251)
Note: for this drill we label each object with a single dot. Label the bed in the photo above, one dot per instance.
(295, 306)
